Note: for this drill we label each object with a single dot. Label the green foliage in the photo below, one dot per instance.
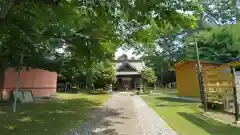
(220, 45)
(106, 75)
(75, 70)
(22, 32)
(160, 17)
(109, 76)
(219, 11)
(89, 31)
(149, 75)
(161, 58)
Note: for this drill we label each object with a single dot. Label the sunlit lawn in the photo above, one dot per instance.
(48, 118)
(185, 117)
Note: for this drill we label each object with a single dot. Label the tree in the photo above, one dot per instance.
(87, 28)
(149, 76)
(132, 24)
(74, 71)
(22, 33)
(220, 45)
(106, 74)
(219, 12)
(162, 56)
(159, 62)
(38, 36)
(8, 6)
(236, 6)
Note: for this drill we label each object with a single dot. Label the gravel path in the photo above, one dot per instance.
(124, 114)
(150, 122)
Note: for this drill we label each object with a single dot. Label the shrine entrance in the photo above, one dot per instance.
(128, 83)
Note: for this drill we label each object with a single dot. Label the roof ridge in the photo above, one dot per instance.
(128, 64)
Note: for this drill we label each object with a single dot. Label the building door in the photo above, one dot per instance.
(126, 82)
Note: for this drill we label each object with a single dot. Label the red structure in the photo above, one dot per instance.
(41, 82)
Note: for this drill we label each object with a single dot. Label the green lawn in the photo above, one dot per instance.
(48, 118)
(185, 117)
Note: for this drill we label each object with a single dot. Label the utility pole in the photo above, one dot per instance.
(170, 56)
(18, 82)
(200, 77)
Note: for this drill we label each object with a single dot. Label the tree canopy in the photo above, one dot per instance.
(164, 50)
(88, 32)
(149, 75)
(220, 44)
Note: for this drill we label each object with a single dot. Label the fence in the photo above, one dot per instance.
(222, 86)
(218, 84)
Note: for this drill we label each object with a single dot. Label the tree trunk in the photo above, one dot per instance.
(162, 78)
(11, 4)
(2, 73)
(237, 13)
(234, 6)
(6, 9)
(89, 77)
(169, 50)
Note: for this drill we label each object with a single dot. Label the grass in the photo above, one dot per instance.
(185, 117)
(50, 117)
(168, 92)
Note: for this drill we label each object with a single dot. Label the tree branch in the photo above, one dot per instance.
(6, 9)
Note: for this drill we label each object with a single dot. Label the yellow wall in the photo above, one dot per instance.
(187, 80)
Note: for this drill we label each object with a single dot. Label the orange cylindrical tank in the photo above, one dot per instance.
(40, 82)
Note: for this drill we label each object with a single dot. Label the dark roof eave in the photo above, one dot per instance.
(127, 60)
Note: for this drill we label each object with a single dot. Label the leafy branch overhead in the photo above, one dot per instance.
(220, 44)
(86, 32)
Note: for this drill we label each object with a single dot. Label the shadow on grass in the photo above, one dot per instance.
(175, 100)
(210, 125)
(49, 118)
(91, 92)
(170, 92)
(170, 105)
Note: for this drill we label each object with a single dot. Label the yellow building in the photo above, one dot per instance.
(187, 79)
